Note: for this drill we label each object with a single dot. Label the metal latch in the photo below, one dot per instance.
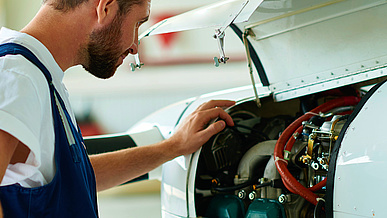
(219, 36)
(137, 63)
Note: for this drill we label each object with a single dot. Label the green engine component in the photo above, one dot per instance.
(230, 206)
(265, 208)
(226, 206)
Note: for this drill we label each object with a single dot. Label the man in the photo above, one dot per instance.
(35, 173)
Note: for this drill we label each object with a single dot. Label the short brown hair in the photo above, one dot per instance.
(67, 5)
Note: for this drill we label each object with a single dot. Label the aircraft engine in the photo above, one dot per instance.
(274, 161)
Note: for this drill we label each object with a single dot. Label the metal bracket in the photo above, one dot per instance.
(219, 36)
(220, 33)
(247, 33)
(137, 63)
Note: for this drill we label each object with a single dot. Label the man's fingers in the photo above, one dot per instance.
(212, 129)
(215, 103)
(194, 132)
(213, 113)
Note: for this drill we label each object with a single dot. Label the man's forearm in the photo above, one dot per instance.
(114, 168)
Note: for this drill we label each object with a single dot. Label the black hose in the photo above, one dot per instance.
(319, 210)
(261, 134)
(242, 185)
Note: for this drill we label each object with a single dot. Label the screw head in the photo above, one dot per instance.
(252, 195)
(282, 199)
(242, 194)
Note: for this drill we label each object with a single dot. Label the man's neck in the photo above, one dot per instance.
(63, 33)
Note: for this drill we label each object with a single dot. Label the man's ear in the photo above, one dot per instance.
(106, 10)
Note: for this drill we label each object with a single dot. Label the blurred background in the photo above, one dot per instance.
(177, 66)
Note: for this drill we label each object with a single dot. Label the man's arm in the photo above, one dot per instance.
(8, 145)
(115, 168)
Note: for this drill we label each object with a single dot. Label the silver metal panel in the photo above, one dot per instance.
(331, 82)
(361, 163)
(318, 47)
(220, 14)
(305, 46)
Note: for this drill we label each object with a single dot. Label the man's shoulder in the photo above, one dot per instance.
(17, 74)
(35, 47)
(15, 63)
(19, 65)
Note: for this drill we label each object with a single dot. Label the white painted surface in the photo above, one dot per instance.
(361, 163)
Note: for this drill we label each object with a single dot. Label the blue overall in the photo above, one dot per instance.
(72, 192)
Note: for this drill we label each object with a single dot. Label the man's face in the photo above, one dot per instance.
(108, 46)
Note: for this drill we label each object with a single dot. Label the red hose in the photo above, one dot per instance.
(281, 164)
(319, 185)
(292, 139)
(289, 146)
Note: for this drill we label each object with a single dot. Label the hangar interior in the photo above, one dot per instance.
(172, 72)
(293, 43)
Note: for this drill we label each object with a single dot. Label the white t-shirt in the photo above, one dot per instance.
(25, 109)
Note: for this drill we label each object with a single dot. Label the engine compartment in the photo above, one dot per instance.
(274, 161)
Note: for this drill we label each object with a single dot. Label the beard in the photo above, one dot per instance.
(103, 50)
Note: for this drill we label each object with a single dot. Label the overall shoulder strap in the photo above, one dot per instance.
(15, 49)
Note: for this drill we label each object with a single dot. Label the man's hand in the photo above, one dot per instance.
(194, 131)
(114, 168)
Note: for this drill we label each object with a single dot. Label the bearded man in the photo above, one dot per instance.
(44, 168)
